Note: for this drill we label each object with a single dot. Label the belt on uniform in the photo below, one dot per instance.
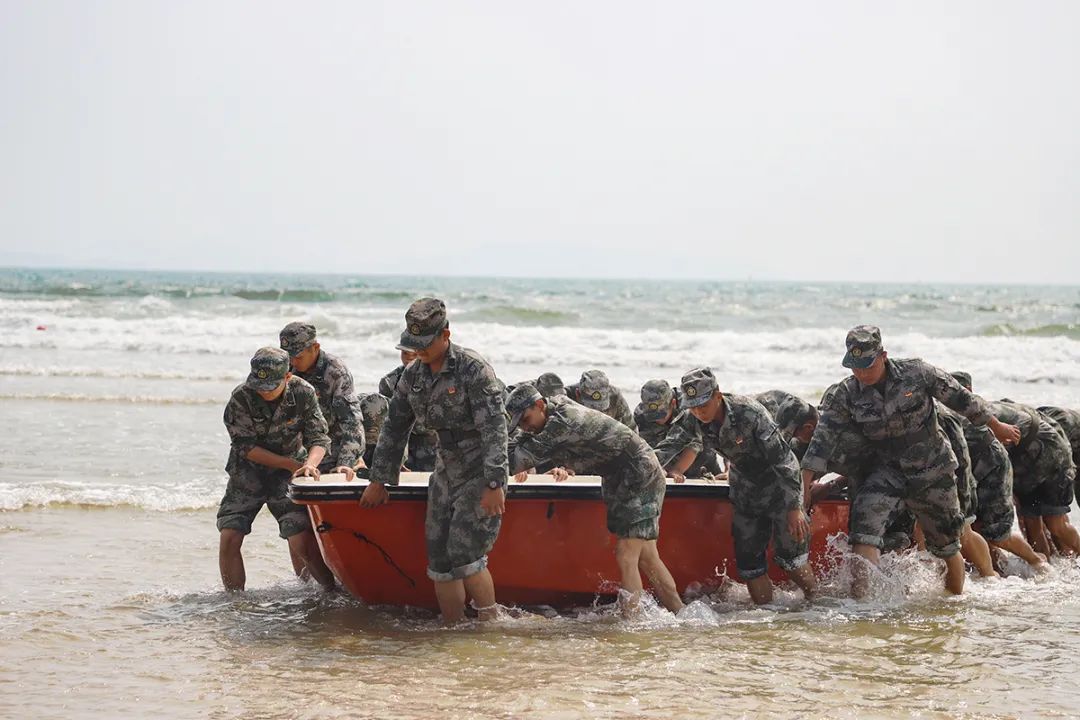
(905, 441)
(450, 438)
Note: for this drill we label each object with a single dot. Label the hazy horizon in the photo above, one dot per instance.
(834, 142)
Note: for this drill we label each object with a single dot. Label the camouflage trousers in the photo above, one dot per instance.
(752, 533)
(996, 510)
(1043, 477)
(250, 487)
(458, 533)
(635, 496)
(932, 499)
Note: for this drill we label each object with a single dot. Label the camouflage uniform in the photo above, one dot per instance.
(993, 473)
(660, 400)
(374, 408)
(594, 391)
(549, 384)
(683, 432)
(287, 426)
(915, 464)
(591, 442)
(763, 476)
(463, 405)
(952, 424)
(1043, 469)
(1069, 422)
(420, 456)
(771, 400)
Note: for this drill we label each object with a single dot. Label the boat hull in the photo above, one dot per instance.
(553, 547)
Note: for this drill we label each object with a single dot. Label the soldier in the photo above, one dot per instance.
(549, 384)
(973, 546)
(764, 477)
(1069, 422)
(1043, 476)
(890, 403)
(453, 391)
(994, 511)
(797, 420)
(674, 435)
(594, 391)
(276, 429)
(771, 400)
(333, 384)
(571, 436)
(374, 407)
(420, 455)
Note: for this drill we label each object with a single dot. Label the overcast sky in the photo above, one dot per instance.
(786, 140)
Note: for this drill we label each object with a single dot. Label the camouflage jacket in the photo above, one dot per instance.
(764, 474)
(899, 419)
(986, 451)
(952, 424)
(375, 407)
(288, 426)
(1040, 437)
(618, 409)
(464, 397)
(683, 432)
(586, 440)
(421, 435)
(1069, 422)
(773, 399)
(651, 432)
(333, 384)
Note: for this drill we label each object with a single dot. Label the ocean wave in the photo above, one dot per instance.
(513, 315)
(1069, 330)
(185, 496)
(113, 373)
(128, 399)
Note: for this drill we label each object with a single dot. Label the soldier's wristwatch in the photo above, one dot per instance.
(494, 484)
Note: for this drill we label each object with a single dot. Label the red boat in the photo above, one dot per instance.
(553, 548)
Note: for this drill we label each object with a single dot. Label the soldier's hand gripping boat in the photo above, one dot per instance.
(553, 548)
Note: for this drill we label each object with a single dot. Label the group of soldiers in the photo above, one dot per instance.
(922, 457)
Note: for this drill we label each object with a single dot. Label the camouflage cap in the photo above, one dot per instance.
(794, 413)
(698, 387)
(656, 397)
(863, 346)
(550, 384)
(963, 378)
(424, 320)
(296, 337)
(269, 366)
(521, 398)
(594, 390)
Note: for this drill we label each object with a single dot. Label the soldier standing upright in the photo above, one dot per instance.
(455, 393)
(891, 404)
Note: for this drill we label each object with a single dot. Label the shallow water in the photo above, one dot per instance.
(111, 612)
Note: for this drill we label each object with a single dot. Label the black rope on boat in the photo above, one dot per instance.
(326, 527)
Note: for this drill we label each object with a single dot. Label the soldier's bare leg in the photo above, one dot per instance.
(803, 576)
(627, 557)
(649, 562)
(977, 552)
(481, 588)
(761, 589)
(955, 573)
(230, 559)
(1036, 532)
(451, 597)
(1018, 546)
(1064, 534)
(304, 546)
(298, 566)
(860, 574)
